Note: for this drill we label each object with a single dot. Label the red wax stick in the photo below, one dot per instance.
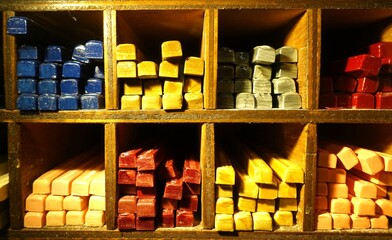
(191, 188)
(128, 159)
(189, 202)
(127, 204)
(386, 66)
(126, 221)
(381, 49)
(345, 83)
(150, 159)
(184, 218)
(362, 101)
(167, 218)
(342, 100)
(146, 207)
(169, 170)
(167, 203)
(126, 189)
(146, 192)
(367, 84)
(363, 65)
(145, 223)
(126, 176)
(191, 172)
(173, 189)
(145, 179)
(384, 100)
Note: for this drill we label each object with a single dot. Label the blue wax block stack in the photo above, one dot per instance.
(28, 52)
(92, 101)
(74, 69)
(79, 54)
(94, 49)
(49, 70)
(48, 86)
(70, 86)
(47, 102)
(27, 102)
(27, 68)
(94, 85)
(27, 85)
(17, 25)
(55, 53)
(99, 72)
(69, 102)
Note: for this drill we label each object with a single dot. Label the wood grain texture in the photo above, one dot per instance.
(111, 167)
(9, 53)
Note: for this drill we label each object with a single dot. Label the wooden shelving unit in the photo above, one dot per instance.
(320, 30)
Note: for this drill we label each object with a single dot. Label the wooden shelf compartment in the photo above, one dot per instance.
(37, 148)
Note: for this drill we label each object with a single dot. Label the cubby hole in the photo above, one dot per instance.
(2, 82)
(244, 29)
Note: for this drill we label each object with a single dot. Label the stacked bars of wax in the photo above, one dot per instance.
(175, 84)
(54, 78)
(255, 191)
(71, 194)
(353, 187)
(4, 189)
(261, 80)
(361, 82)
(142, 200)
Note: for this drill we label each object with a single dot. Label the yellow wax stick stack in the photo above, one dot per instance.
(128, 52)
(225, 173)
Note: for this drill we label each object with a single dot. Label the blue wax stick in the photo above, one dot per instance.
(55, 53)
(27, 68)
(79, 54)
(94, 49)
(69, 102)
(92, 101)
(99, 72)
(47, 102)
(70, 86)
(49, 70)
(27, 85)
(94, 85)
(27, 102)
(74, 69)
(28, 52)
(17, 25)
(48, 86)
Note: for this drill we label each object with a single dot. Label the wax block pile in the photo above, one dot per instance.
(353, 187)
(52, 77)
(154, 185)
(71, 194)
(175, 84)
(255, 191)
(360, 82)
(262, 79)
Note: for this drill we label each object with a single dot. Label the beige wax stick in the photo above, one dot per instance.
(379, 222)
(224, 205)
(127, 69)
(361, 188)
(339, 205)
(131, 102)
(97, 203)
(369, 161)
(75, 218)
(384, 207)
(224, 222)
(97, 185)
(262, 221)
(147, 70)
(243, 86)
(34, 220)
(289, 100)
(244, 100)
(171, 50)
(387, 158)
(55, 218)
(340, 221)
(81, 185)
(54, 203)
(193, 100)
(243, 221)
(286, 70)
(359, 222)
(287, 54)
(36, 202)
(95, 218)
(363, 206)
(75, 203)
(345, 154)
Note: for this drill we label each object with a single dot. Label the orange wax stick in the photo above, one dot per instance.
(361, 188)
(326, 159)
(345, 154)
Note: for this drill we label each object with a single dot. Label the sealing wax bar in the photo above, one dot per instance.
(128, 189)
(127, 51)
(147, 69)
(173, 189)
(340, 205)
(247, 186)
(126, 69)
(69, 102)
(27, 85)
(27, 101)
(385, 83)
(345, 83)
(384, 207)
(337, 175)
(34, 219)
(192, 84)
(343, 100)
(75, 218)
(193, 100)
(283, 85)
(285, 189)
(48, 86)
(262, 86)
(224, 222)
(381, 49)
(191, 170)
(359, 222)
(264, 55)
(288, 204)
(360, 187)
(126, 221)
(323, 221)
(363, 206)
(268, 191)
(367, 84)
(369, 161)
(173, 86)
(81, 185)
(224, 205)
(128, 158)
(241, 58)
(244, 100)
(287, 54)
(27, 68)
(169, 69)
(381, 178)
(150, 159)
(263, 100)
(79, 54)
(191, 188)
(94, 49)
(243, 221)
(243, 71)
(92, 101)
(265, 205)
(242, 85)
(131, 102)
(168, 169)
(95, 218)
(167, 203)
(94, 85)
(326, 84)
(194, 66)
(28, 52)
(171, 50)
(167, 216)
(261, 72)
(345, 154)
(146, 207)
(225, 71)
(75, 203)
(340, 221)
(18, 25)
(383, 100)
(74, 69)
(145, 179)
(379, 222)
(321, 203)
(225, 173)
(386, 66)
(189, 202)
(184, 218)
(262, 221)
(47, 102)
(97, 203)
(289, 100)
(286, 70)
(99, 72)
(54, 53)
(387, 161)
(225, 101)
(48, 70)
(70, 86)
(246, 204)
(146, 192)
(326, 158)
(133, 87)
(36, 202)
(151, 102)
(363, 65)
(172, 101)
(55, 218)
(54, 203)
(225, 86)
(286, 170)
(127, 204)
(226, 55)
(145, 223)
(126, 176)
(337, 190)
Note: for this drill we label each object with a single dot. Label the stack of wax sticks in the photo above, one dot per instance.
(54, 78)
(262, 79)
(353, 187)
(71, 194)
(255, 191)
(175, 84)
(143, 199)
(362, 81)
